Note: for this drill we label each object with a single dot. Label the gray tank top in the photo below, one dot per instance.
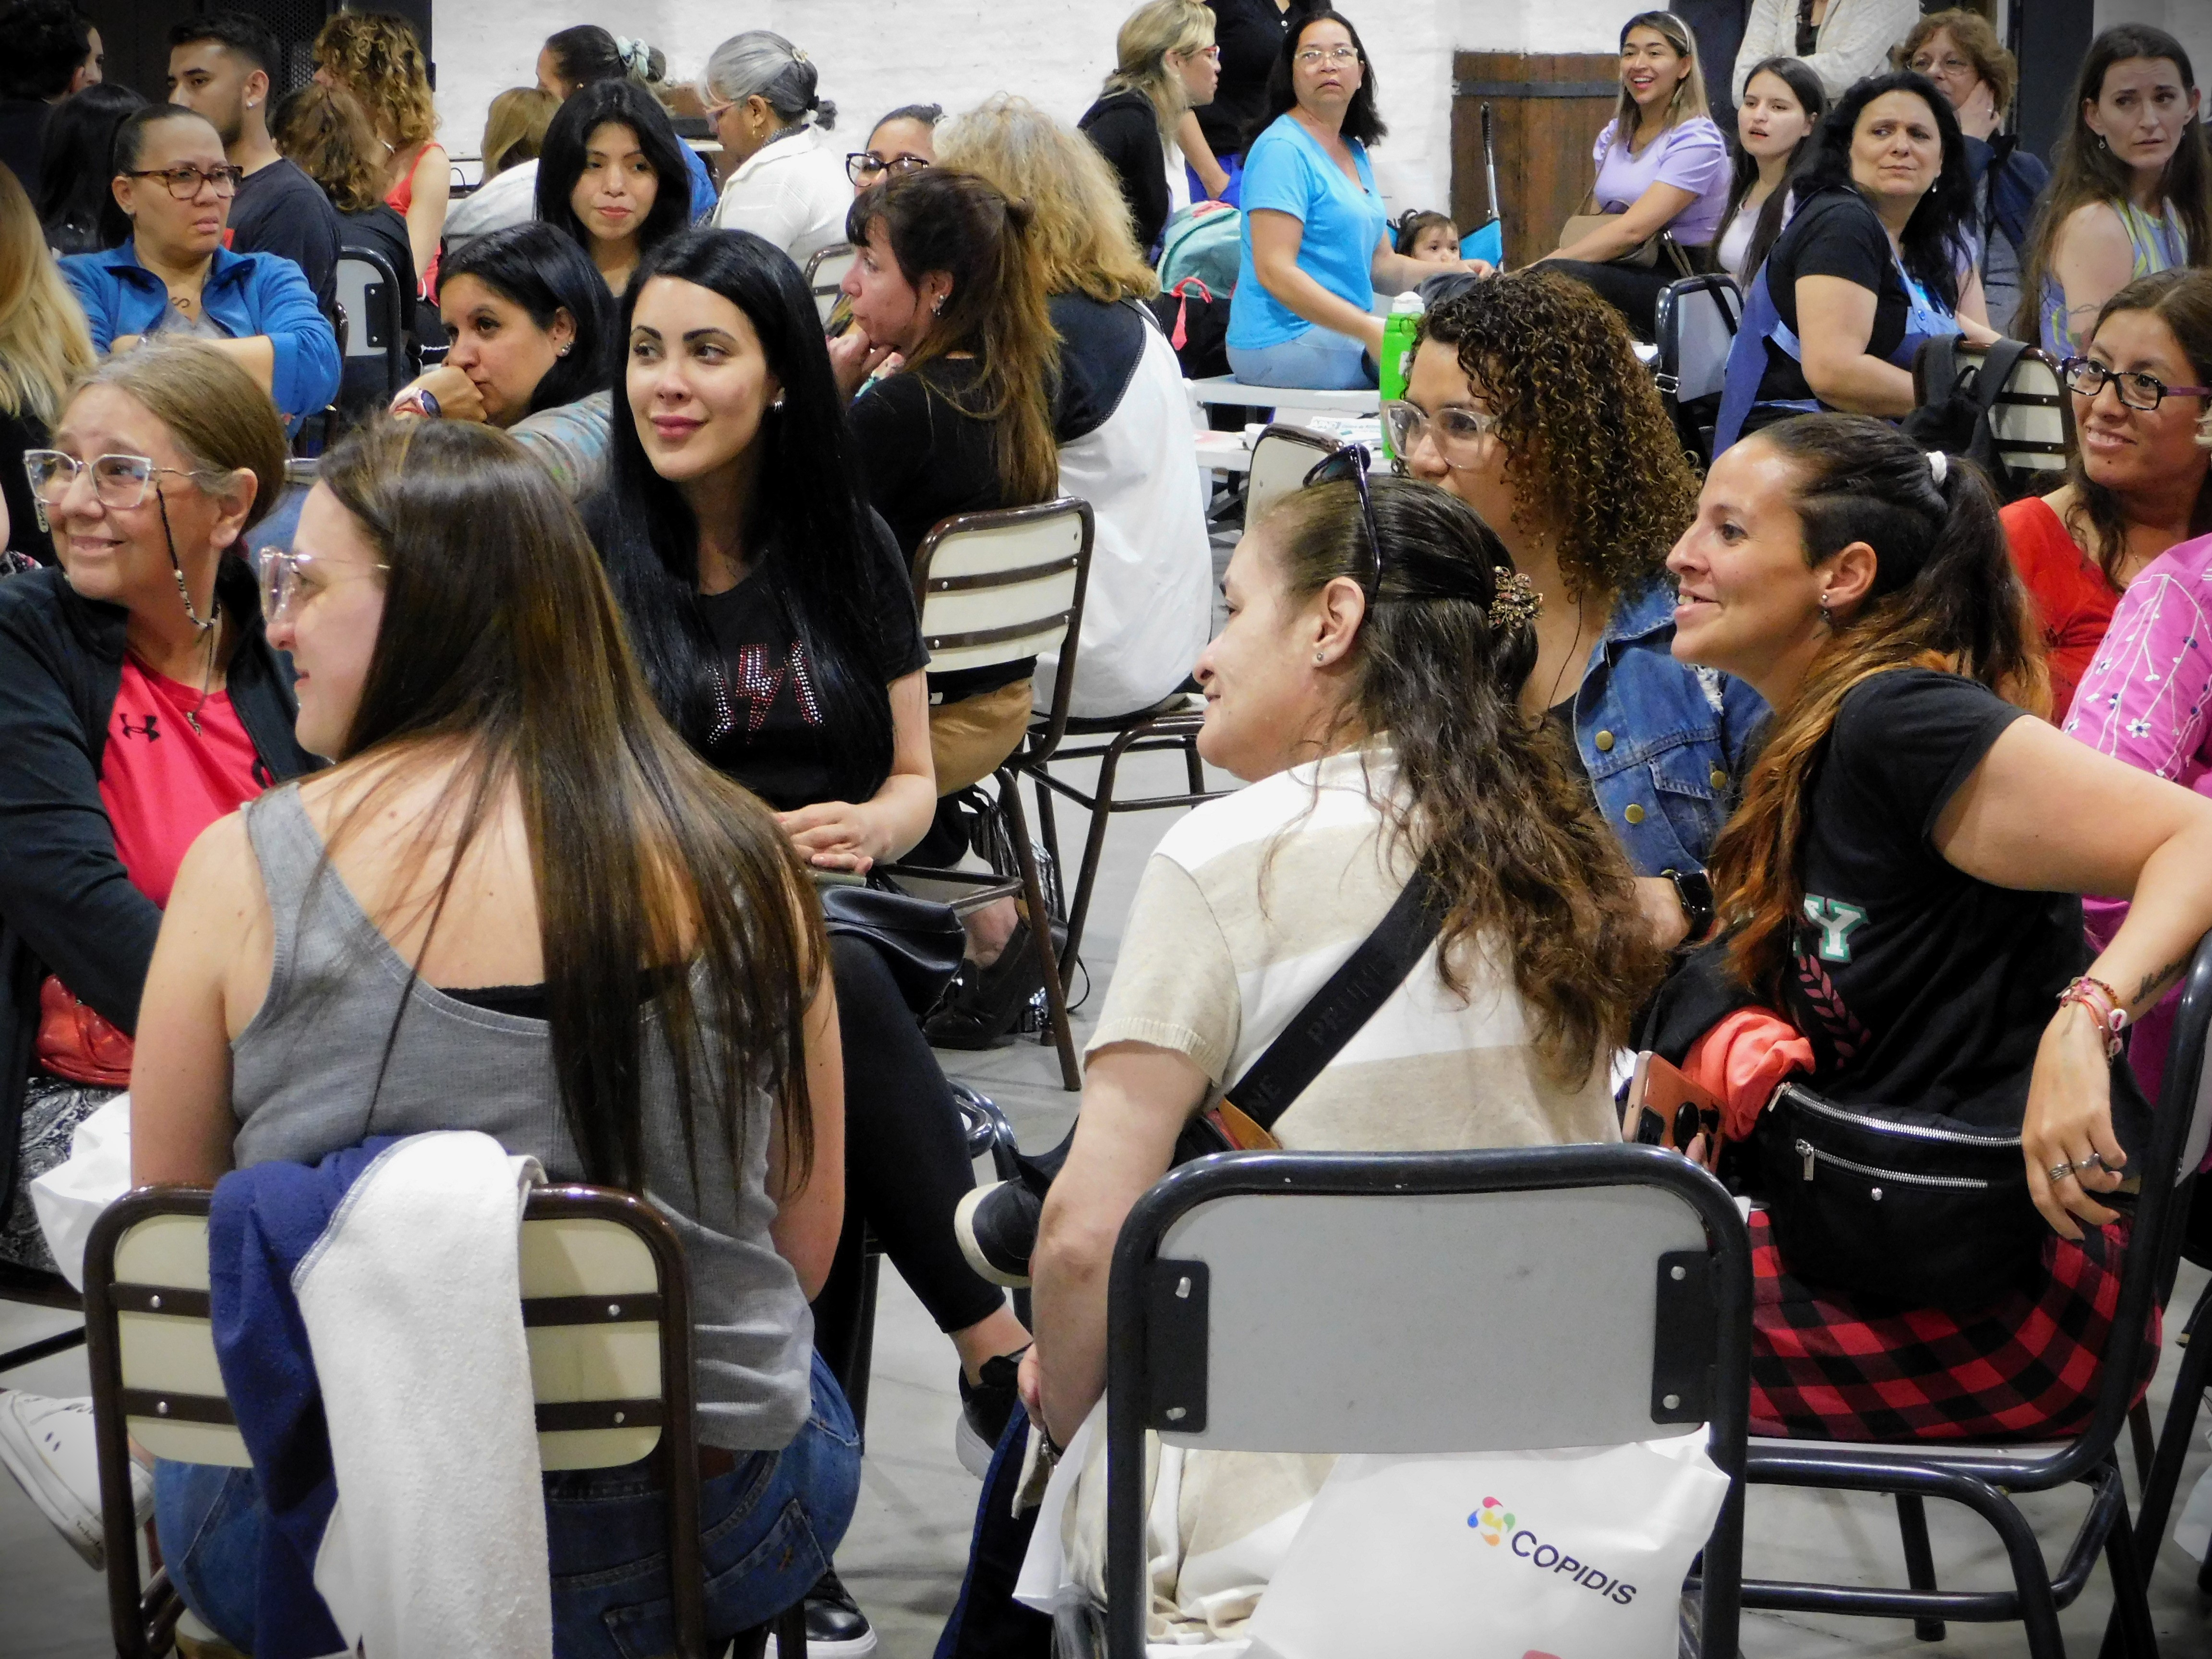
(303, 1075)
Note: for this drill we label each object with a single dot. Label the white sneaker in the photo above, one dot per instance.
(49, 1447)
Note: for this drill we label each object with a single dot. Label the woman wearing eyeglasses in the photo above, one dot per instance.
(786, 179)
(174, 277)
(2137, 482)
(139, 702)
(904, 141)
(1167, 65)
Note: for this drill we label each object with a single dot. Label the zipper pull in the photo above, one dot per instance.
(1805, 1152)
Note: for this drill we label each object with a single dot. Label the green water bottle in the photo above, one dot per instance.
(1398, 328)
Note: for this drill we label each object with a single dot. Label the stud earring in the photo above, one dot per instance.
(1319, 657)
(938, 309)
(560, 351)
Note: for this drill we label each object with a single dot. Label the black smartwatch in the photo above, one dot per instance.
(1695, 894)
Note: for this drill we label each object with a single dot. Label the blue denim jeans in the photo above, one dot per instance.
(1317, 361)
(767, 1531)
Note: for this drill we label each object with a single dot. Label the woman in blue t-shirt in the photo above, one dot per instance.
(1316, 236)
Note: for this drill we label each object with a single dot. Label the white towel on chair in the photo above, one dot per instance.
(412, 1303)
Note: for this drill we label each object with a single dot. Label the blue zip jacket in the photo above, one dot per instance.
(245, 295)
(1664, 742)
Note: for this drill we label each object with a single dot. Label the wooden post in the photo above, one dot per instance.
(1547, 109)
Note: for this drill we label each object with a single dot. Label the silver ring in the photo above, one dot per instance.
(2059, 1172)
(2091, 1161)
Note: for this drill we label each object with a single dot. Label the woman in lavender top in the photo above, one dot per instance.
(1661, 166)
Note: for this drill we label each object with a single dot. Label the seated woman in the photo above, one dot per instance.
(574, 58)
(904, 140)
(377, 57)
(1903, 870)
(1782, 108)
(1526, 402)
(784, 178)
(1377, 737)
(532, 329)
(2131, 190)
(1868, 270)
(1165, 66)
(77, 197)
(2138, 480)
(414, 879)
(612, 177)
(513, 135)
(1662, 170)
(775, 620)
(44, 347)
(139, 702)
(949, 278)
(174, 277)
(1316, 236)
(1959, 52)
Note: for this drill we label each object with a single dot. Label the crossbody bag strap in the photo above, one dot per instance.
(1335, 1013)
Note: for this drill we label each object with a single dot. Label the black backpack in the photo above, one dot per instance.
(1954, 403)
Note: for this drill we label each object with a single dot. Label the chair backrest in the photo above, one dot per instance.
(376, 312)
(825, 271)
(1281, 457)
(1698, 318)
(605, 1312)
(995, 587)
(1236, 1271)
(2032, 419)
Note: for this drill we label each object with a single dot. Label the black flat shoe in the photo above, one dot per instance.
(985, 1004)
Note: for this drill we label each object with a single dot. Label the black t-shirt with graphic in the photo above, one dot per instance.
(1918, 985)
(770, 736)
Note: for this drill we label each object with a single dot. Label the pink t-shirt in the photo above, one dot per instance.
(1692, 155)
(161, 781)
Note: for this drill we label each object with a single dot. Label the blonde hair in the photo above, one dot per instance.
(44, 342)
(219, 415)
(1689, 102)
(515, 127)
(1081, 236)
(378, 59)
(1148, 35)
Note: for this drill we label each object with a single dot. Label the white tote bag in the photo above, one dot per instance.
(1577, 1555)
(70, 1197)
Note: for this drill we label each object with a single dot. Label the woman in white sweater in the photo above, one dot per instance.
(785, 180)
(1841, 40)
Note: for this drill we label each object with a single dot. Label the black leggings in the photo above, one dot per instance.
(1633, 293)
(906, 1159)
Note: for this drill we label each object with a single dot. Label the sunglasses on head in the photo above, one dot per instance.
(1349, 465)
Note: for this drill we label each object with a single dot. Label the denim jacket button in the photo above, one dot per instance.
(1634, 814)
(1605, 744)
(1719, 779)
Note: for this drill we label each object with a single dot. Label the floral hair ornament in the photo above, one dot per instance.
(1516, 602)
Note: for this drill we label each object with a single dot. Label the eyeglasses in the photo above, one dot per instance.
(1350, 463)
(282, 575)
(866, 164)
(1212, 54)
(1335, 57)
(119, 482)
(2086, 377)
(185, 183)
(1935, 66)
(1456, 430)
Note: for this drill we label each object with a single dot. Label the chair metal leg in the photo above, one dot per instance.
(2145, 1444)
(2160, 1485)
(45, 1347)
(1055, 985)
(1919, 1558)
(2131, 1620)
(791, 1632)
(1094, 846)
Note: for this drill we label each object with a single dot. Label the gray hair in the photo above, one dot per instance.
(762, 63)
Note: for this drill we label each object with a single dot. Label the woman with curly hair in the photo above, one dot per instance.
(376, 57)
(1526, 402)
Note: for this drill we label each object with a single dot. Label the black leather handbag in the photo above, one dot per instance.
(921, 940)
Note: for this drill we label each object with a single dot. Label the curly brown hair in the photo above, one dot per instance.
(326, 134)
(1592, 454)
(377, 57)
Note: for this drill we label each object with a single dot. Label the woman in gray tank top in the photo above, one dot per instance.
(518, 905)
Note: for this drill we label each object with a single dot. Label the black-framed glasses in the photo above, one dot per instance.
(1350, 465)
(862, 165)
(185, 182)
(118, 481)
(2086, 376)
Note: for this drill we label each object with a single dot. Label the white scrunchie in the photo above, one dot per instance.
(1939, 465)
(636, 55)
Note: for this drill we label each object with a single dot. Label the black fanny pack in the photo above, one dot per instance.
(1890, 1202)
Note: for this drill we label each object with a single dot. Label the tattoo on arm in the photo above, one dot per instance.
(2154, 982)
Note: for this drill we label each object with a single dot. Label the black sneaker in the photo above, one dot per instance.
(985, 1409)
(997, 1227)
(836, 1626)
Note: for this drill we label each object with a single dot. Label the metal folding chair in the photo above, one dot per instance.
(825, 272)
(38, 1290)
(1697, 324)
(1239, 1270)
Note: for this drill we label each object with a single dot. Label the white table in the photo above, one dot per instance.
(1290, 403)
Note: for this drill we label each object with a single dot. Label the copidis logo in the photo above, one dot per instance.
(1493, 1521)
(1495, 1524)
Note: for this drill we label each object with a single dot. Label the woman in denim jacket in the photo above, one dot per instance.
(1527, 401)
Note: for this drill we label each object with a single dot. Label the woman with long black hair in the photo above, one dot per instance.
(611, 175)
(772, 613)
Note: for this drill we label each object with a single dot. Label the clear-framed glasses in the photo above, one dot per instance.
(2087, 377)
(287, 580)
(864, 164)
(1212, 54)
(1456, 431)
(120, 482)
(185, 182)
(1950, 65)
(1335, 57)
(1349, 465)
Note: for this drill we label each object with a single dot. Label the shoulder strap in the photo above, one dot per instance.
(1998, 362)
(1336, 1012)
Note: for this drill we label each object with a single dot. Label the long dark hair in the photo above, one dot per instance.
(1805, 87)
(1362, 120)
(1484, 797)
(2084, 170)
(500, 641)
(960, 223)
(1938, 229)
(75, 204)
(561, 162)
(536, 267)
(809, 534)
(1944, 595)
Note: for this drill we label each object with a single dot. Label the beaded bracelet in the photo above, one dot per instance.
(2104, 1006)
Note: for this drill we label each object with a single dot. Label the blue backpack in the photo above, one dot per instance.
(1201, 240)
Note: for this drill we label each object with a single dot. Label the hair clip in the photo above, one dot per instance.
(798, 55)
(1939, 467)
(1516, 602)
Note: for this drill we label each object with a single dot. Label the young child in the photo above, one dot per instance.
(1430, 237)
